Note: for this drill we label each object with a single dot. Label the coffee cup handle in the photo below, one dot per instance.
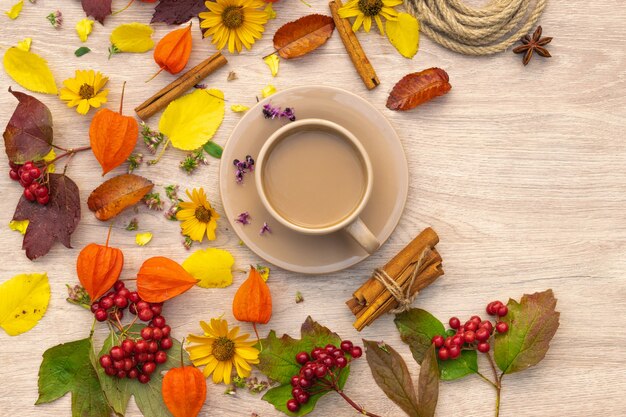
(363, 236)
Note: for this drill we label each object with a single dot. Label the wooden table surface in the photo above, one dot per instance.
(519, 170)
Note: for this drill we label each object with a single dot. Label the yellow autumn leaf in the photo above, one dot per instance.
(404, 34)
(268, 91)
(272, 61)
(23, 301)
(269, 11)
(24, 44)
(239, 108)
(19, 225)
(142, 239)
(15, 11)
(213, 267)
(133, 37)
(191, 120)
(84, 28)
(29, 70)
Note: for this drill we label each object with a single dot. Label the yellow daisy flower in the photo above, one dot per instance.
(85, 90)
(365, 10)
(219, 349)
(234, 22)
(197, 216)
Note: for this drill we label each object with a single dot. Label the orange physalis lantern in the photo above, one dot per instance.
(160, 279)
(184, 391)
(172, 52)
(113, 137)
(98, 267)
(253, 301)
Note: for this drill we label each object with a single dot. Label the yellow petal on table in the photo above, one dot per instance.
(84, 28)
(24, 44)
(133, 37)
(264, 271)
(23, 301)
(29, 70)
(403, 34)
(142, 239)
(15, 11)
(50, 156)
(19, 225)
(191, 120)
(272, 61)
(269, 11)
(239, 108)
(268, 91)
(213, 267)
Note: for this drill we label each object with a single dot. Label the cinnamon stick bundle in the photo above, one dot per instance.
(373, 299)
(353, 46)
(179, 86)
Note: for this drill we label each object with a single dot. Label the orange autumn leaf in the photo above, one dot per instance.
(172, 52)
(160, 279)
(98, 267)
(253, 301)
(418, 88)
(184, 391)
(117, 194)
(302, 36)
(113, 137)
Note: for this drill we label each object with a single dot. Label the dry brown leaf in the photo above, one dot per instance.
(302, 36)
(118, 193)
(417, 88)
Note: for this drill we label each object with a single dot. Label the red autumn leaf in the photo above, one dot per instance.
(417, 88)
(253, 301)
(177, 12)
(113, 137)
(300, 37)
(117, 194)
(54, 221)
(184, 391)
(98, 267)
(28, 134)
(98, 9)
(160, 279)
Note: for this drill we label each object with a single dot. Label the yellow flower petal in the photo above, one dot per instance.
(268, 91)
(272, 61)
(15, 10)
(142, 239)
(269, 11)
(239, 108)
(24, 44)
(19, 225)
(84, 28)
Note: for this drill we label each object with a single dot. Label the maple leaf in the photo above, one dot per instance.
(176, 12)
(57, 220)
(98, 9)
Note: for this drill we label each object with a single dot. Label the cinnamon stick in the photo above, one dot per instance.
(353, 46)
(179, 86)
(372, 299)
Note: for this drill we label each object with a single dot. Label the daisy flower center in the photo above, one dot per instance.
(223, 349)
(86, 91)
(202, 214)
(371, 7)
(232, 17)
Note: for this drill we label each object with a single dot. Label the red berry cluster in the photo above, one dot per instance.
(134, 358)
(29, 176)
(474, 334)
(320, 371)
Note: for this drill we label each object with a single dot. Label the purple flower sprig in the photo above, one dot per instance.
(243, 218)
(276, 112)
(243, 167)
(264, 229)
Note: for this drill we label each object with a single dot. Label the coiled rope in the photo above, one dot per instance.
(476, 31)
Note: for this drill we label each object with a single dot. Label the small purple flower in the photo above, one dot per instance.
(200, 86)
(275, 112)
(243, 218)
(265, 228)
(288, 113)
(243, 167)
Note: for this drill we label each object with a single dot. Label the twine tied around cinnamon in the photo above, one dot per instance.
(476, 31)
(404, 298)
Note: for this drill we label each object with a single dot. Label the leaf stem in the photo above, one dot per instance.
(258, 339)
(123, 88)
(489, 381)
(354, 405)
(69, 152)
(124, 8)
(497, 385)
(158, 158)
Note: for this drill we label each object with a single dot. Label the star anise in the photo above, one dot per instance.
(532, 44)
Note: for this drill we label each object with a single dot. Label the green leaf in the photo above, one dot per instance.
(67, 368)
(277, 361)
(417, 327)
(392, 376)
(428, 385)
(148, 396)
(532, 324)
(213, 149)
(82, 51)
